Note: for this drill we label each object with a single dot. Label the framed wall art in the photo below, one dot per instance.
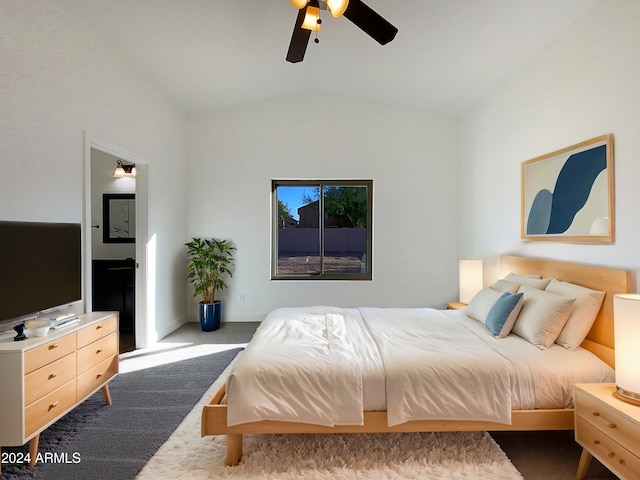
(568, 195)
(119, 217)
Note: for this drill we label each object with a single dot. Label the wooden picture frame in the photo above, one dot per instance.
(119, 217)
(568, 195)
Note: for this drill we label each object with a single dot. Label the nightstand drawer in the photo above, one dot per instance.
(97, 351)
(96, 331)
(613, 455)
(608, 421)
(47, 353)
(46, 379)
(49, 407)
(96, 376)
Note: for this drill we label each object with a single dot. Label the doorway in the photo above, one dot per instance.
(115, 217)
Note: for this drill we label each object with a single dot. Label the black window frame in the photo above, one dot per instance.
(366, 275)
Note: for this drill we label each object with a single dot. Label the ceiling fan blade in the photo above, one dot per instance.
(370, 22)
(299, 39)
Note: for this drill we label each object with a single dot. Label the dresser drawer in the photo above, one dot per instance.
(49, 407)
(613, 455)
(96, 376)
(97, 351)
(97, 330)
(47, 353)
(46, 379)
(608, 420)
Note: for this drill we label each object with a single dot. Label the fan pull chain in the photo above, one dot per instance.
(319, 22)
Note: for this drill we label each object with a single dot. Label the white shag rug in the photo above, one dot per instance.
(446, 455)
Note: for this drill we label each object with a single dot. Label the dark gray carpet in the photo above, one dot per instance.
(115, 442)
(547, 455)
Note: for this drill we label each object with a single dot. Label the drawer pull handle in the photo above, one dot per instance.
(53, 405)
(596, 442)
(98, 327)
(621, 461)
(596, 414)
(51, 347)
(612, 425)
(99, 351)
(99, 375)
(611, 454)
(53, 375)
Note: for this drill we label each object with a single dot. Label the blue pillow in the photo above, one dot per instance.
(502, 316)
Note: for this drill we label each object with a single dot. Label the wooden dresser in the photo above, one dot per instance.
(43, 378)
(608, 429)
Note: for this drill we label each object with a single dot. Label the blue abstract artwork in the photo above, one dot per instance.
(567, 193)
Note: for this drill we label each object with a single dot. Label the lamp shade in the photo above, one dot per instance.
(337, 7)
(299, 3)
(119, 171)
(626, 328)
(470, 278)
(310, 21)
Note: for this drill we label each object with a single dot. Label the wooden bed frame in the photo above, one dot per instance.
(599, 341)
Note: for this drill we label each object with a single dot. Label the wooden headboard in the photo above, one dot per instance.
(610, 280)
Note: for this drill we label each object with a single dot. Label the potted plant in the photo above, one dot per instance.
(210, 262)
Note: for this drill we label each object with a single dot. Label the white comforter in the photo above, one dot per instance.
(320, 365)
(437, 369)
(301, 366)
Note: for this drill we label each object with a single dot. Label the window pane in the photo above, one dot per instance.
(298, 230)
(322, 229)
(345, 229)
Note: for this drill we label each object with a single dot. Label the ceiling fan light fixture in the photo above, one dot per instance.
(311, 19)
(299, 4)
(337, 7)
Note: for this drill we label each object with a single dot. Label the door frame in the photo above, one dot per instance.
(142, 188)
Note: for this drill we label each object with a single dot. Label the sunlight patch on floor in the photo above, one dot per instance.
(166, 353)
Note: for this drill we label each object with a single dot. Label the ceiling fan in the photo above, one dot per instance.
(356, 11)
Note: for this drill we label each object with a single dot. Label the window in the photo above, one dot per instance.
(322, 229)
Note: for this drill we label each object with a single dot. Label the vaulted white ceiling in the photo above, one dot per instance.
(447, 56)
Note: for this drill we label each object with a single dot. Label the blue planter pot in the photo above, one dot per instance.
(210, 314)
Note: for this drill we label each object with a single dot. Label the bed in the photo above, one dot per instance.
(220, 415)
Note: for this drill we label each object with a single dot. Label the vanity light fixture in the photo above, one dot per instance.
(123, 170)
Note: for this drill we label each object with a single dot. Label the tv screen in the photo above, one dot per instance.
(40, 267)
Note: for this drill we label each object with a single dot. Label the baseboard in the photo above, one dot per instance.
(172, 326)
(235, 318)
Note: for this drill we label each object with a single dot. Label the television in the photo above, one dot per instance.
(40, 267)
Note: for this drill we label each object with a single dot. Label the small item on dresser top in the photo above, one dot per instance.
(66, 323)
(38, 328)
(63, 320)
(20, 330)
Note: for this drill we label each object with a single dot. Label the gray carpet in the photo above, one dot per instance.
(114, 442)
(547, 455)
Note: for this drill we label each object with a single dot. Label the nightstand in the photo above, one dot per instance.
(607, 428)
(456, 306)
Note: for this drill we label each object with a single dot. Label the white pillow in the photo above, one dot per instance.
(481, 303)
(539, 283)
(542, 316)
(582, 315)
(505, 286)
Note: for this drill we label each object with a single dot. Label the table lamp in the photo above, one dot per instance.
(626, 327)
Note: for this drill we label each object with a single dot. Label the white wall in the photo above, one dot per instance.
(58, 81)
(582, 85)
(411, 157)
